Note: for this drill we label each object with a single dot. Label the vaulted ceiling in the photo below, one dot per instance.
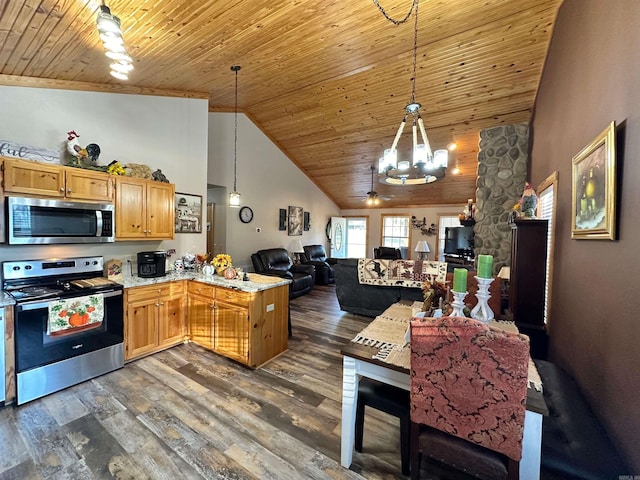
(326, 80)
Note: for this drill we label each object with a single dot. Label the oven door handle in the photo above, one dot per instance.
(21, 307)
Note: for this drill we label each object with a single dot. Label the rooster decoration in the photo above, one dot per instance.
(529, 201)
(89, 154)
(73, 145)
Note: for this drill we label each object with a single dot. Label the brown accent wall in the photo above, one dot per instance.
(591, 77)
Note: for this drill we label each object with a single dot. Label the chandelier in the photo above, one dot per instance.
(427, 166)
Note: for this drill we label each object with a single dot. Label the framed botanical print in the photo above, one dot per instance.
(188, 213)
(593, 200)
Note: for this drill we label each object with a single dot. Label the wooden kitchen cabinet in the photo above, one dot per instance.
(231, 332)
(40, 179)
(154, 318)
(250, 328)
(527, 281)
(201, 300)
(144, 209)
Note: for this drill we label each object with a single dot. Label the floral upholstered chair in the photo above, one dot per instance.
(468, 396)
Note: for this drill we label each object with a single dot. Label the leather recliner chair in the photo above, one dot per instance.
(387, 253)
(317, 256)
(277, 262)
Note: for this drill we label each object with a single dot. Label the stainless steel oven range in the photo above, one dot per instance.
(68, 323)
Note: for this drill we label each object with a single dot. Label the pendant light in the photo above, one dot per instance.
(111, 35)
(234, 197)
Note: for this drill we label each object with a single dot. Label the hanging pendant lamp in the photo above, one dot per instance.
(234, 196)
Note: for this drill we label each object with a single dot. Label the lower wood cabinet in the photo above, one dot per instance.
(201, 313)
(155, 318)
(250, 328)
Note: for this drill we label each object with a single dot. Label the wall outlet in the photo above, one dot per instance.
(271, 307)
(258, 230)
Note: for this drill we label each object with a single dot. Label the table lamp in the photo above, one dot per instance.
(422, 247)
(505, 273)
(297, 250)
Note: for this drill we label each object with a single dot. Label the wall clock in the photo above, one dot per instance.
(246, 214)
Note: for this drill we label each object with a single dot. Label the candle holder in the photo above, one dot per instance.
(482, 311)
(458, 304)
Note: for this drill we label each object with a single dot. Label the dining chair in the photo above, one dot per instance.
(388, 399)
(468, 396)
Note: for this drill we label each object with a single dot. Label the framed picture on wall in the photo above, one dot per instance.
(295, 220)
(188, 213)
(593, 199)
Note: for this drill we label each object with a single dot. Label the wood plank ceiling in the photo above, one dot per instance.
(326, 80)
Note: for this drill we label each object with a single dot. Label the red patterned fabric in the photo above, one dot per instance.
(470, 380)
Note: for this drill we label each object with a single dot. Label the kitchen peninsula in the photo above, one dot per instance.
(242, 320)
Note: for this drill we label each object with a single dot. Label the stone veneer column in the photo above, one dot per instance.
(502, 171)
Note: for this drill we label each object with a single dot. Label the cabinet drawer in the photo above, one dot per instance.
(177, 288)
(197, 288)
(233, 296)
(148, 292)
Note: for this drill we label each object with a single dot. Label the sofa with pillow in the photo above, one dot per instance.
(371, 300)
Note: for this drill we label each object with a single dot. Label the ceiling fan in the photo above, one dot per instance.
(373, 198)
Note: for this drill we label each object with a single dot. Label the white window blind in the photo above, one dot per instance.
(546, 211)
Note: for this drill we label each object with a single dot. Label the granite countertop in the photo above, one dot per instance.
(6, 299)
(248, 286)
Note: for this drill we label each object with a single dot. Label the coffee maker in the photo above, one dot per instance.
(152, 264)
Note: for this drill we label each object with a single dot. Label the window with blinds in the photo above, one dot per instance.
(396, 233)
(547, 211)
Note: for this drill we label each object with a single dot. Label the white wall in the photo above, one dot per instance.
(431, 214)
(268, 181)
(161, 132)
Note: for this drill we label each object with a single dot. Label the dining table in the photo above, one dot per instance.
(369, 357)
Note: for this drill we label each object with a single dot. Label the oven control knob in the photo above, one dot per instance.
(95, 262)
(86, 263)
(27, 267)
(16, 268)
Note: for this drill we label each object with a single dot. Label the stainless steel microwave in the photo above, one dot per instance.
(45, 221)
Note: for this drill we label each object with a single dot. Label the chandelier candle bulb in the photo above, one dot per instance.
(459, 280)
(485, 266)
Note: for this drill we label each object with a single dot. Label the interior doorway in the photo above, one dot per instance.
(211, 214)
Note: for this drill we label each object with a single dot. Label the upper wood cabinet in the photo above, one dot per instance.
(42, 179)
(144, 209)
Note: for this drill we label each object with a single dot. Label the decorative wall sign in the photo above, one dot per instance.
(282, 220)
(188, 213)
(25, 152)
(306, 222)
(295, 220)
(593, 200)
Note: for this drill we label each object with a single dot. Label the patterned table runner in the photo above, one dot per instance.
(388, 333)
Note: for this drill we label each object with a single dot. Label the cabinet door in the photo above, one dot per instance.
(528, 272)
(142, 328)
(33, 178)
(87, 185)
(201, 320)
(130, 209)
(231, 332)
(160, 210)
(171, 321)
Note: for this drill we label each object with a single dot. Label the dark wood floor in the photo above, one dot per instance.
(187, 413)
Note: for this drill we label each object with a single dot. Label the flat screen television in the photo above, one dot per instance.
(459, 241)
